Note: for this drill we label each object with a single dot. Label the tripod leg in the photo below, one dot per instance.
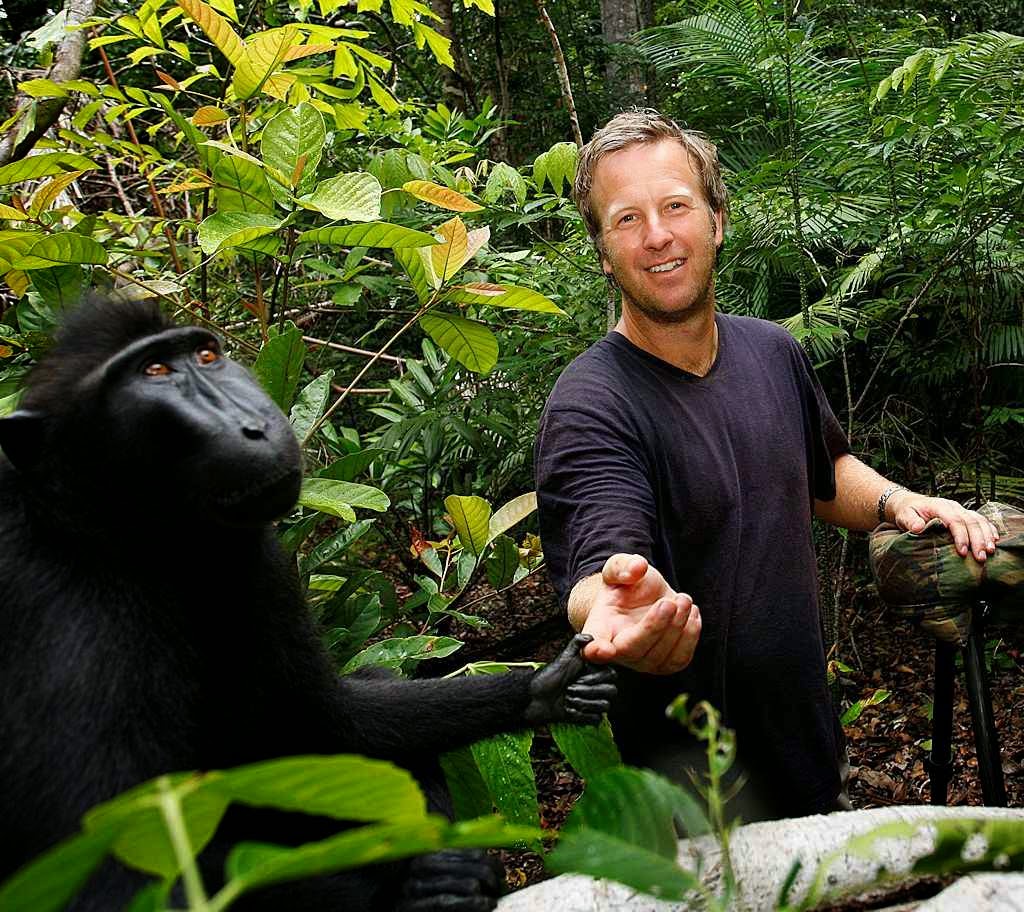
(940, 763)
(990, 760)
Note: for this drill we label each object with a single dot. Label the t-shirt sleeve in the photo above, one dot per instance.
(594, 496)
(827, 440)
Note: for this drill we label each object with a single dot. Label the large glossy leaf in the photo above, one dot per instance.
(279, 365)
(293, 142)
(234, 229)
(502, 562)
(504, 764)
(342, 787)
(471, 344)
(354, 196)
(589, 749)
(142, 840)
(241, 186)
(47, 195)
(311, 404)
(516, 510)
(262, 54)
(338, 498)
(14, 245)
(470, 797)
(443, 197)
(396, 652)
(52, 879)
(470, 516)
(415, 262)
(448, 257)
(371, 234)
(511, 296)
(217, 29)
(64, 249)
(44, 165)
(603, 856)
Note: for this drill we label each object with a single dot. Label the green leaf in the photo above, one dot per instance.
(361, 628)
(64, 249)
(44, 165)
(14, 245)
(241, 186)
(311, 404)
(296, 135)
(338, 498)
(638, 807)
(470, 797)
(470, 516)
(261, 55)
(354, 196)
(142, 840)
(504, 764)
(607, 857)
(49, 882)
(504, 178)
(336, 544)
(589, 749)
(341, 787)
(226, 229)
(414, 262)
(471, 344)
(279, 366)
(503, 562)
(348, 467)
(516, 510)
(395, 652)
(510, 296)
(556, 166)
(59, 287)
(372, 234)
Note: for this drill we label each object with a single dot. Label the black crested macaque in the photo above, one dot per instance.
(150, 622)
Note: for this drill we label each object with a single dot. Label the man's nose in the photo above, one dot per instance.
(657, 234)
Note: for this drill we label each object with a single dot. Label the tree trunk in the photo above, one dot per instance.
(67, 62)
(626, 78)
(763, 855)
(459, 90)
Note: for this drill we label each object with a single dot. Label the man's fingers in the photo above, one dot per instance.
(600, 650)
(632, 643)
(623, 570)
(686, 645)
(666, 643)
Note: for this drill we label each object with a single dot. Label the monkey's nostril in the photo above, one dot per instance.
(254, 432)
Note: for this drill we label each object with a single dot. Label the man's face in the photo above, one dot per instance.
(658, 235)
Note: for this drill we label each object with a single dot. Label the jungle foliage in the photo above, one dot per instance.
(407, 275)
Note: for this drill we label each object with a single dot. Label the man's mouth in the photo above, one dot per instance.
(666, 267)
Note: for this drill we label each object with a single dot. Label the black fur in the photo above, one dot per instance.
(149, 621)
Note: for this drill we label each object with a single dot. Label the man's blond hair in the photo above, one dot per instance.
(641, 126)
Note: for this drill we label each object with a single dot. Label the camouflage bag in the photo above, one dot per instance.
(923, 578)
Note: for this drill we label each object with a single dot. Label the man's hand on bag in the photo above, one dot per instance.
(637, 619)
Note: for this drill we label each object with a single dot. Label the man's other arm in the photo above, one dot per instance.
(635, 617)
(859, 487)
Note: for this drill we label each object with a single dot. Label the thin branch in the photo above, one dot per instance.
(563, 72)
(337, 346)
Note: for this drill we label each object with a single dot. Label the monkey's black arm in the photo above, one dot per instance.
(398, 718)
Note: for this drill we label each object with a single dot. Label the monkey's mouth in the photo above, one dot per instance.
(262, 499)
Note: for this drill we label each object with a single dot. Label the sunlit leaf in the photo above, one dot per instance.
(443, 197)
(295, 135)
(62, 249)
(471, 344)
(339, 498)
(504, 764)
(448, 257)
(514, 511)
(262, 55)
(510, 296)
(354, 196)
(208, 115)
(589, 749)
(241, 186)
(217, 29)
(371, 234)
(47, 195)
(395, 652)
(470, 516)
(310, 404)
(234, 229)
(45, 164)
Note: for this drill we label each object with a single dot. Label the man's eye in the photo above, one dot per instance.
(156, 369)
(626, 219)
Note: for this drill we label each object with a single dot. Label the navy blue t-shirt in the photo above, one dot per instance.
(713, 480)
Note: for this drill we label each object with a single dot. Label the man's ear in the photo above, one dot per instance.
(718, 220)
(21, 437)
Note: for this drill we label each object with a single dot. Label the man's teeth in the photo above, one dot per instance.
(665, 267)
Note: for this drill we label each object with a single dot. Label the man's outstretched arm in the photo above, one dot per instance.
(635, 617)
(859, 488)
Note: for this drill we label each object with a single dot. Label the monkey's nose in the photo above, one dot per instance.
(255, 430)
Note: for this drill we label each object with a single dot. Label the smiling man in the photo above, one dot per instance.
(679, 463)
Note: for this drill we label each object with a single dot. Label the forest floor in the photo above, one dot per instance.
(887, 744)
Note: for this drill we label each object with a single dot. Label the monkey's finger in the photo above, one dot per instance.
(582, 718)
(579, 691)
(443, 886)
(473, 864)
(595, 706)
(597, 674)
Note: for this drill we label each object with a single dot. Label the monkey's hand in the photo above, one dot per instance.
(570, 689)
(454, 880)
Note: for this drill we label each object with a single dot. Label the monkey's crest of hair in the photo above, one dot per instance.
(90, 334)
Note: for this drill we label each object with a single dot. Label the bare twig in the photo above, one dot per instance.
(563, 72)
(337, 346)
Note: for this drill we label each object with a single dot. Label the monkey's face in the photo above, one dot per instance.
(195, 430)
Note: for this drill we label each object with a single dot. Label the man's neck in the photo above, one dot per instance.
(691, 344)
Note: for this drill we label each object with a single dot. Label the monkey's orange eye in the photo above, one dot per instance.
(156, 369)
(207, 355)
